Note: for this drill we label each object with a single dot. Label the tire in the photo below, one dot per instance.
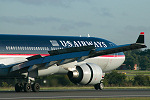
(17, 87)
(35, 87)
(99, 86)
(27, 87)
(96, 86)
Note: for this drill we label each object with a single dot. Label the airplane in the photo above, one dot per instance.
(84, 59)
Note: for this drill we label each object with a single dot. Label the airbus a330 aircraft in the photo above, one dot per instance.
(84, 59)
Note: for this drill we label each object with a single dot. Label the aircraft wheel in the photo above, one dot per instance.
(35, 87)
(27, 87)
(18, 87)
(96, 86)
(99, 86)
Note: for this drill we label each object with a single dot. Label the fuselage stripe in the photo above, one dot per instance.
(24, 54)
(21, 55)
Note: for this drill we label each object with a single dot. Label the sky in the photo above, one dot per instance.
(119, 21)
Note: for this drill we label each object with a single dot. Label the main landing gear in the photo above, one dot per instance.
(28, 86)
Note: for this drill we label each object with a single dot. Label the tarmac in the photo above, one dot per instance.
(68, 94)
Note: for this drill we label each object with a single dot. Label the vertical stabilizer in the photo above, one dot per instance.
(140, 38)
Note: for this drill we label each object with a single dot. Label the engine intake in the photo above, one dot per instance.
(87, 73)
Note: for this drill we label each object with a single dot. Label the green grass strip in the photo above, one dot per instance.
(125, 98)
(75, 88)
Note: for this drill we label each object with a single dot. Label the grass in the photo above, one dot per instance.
(7, 88)
(91, 87)
(125, 98)
(131, 73)
(134, 72)
(74, 88)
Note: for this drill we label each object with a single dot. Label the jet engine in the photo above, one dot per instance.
(87, 73)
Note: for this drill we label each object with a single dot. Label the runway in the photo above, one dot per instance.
(61, 94)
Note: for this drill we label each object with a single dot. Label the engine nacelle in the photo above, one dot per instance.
(87, 73)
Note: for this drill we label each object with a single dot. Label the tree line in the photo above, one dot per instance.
(119, 79)
(111, 79)
(139, 57)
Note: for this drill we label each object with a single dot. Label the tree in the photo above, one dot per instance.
(144, 62)
(142, 58)
(141, 80)
(115, 78)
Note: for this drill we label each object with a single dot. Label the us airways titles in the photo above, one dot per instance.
(83, 43)
(56, 45)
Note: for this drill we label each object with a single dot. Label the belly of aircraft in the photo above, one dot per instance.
(6, 60)
(107, 63)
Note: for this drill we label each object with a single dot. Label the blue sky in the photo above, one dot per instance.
(119, 21)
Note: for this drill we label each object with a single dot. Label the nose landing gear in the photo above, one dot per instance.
(99, 86)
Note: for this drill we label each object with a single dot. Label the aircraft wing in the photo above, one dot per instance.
(68, 55)
(58, 57)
